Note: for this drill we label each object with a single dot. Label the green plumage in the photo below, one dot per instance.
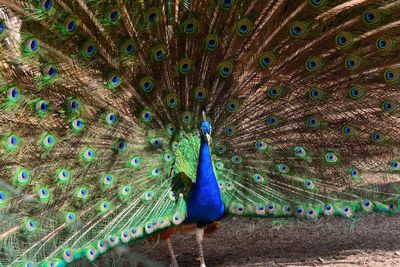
(100, 105)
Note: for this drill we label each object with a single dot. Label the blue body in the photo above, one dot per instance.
(205, 203)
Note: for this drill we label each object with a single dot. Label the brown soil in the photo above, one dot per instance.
(372, 240)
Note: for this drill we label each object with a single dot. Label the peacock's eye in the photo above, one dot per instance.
(47, 4)
(2, 27)
(50, 71)
(13, 94)
(74, 104)
(114, 80)
(42, 106)
(114, 15)
(71, 26)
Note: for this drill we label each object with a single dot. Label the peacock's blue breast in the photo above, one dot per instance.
(205, 202)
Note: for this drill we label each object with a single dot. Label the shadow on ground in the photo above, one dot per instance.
(369, 240)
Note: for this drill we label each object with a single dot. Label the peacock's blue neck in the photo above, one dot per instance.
(205, 202)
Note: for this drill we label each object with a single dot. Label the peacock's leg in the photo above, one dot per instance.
(199, 238)
(174, 263)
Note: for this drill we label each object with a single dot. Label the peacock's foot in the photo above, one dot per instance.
(201, 264)
(174, 264)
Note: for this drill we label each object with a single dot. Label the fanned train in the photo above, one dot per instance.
(122, 119)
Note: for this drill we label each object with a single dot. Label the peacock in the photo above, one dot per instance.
(122, 120)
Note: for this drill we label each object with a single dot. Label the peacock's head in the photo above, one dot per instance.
(205, 127)
(206, 130)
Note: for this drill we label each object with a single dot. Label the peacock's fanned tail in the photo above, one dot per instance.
(100, 104)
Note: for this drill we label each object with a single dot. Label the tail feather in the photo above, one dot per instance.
(100, 101)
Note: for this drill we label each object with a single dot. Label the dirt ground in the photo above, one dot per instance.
(371, 240)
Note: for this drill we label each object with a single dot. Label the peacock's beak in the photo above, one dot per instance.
(208, 138)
